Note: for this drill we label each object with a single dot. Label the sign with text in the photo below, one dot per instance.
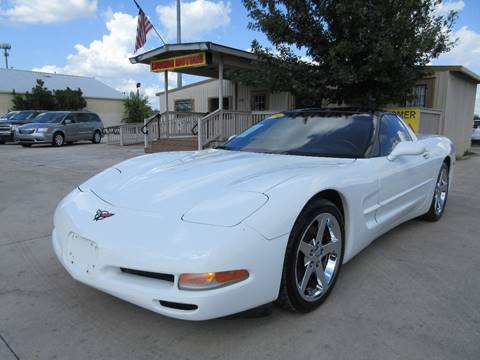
(411, 115)
(179, 62)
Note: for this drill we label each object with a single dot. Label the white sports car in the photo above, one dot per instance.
(270, 216)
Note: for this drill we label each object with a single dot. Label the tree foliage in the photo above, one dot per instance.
(42, 98)
(69, 99)
(136, 108)
(360, 52)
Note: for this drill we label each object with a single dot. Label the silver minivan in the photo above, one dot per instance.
(60, 127)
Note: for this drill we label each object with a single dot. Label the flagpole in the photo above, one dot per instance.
(153, 27)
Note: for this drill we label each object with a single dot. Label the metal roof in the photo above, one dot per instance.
(456, 68)
(233, 59)
(23, 80)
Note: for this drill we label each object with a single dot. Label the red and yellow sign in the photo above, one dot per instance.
(179, 62)
(411, 115)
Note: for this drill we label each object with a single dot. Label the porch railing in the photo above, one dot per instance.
(170, 124)
(125, 134)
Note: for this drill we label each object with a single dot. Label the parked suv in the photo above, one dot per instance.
(11, 121)
(60, 127)
(476, 130)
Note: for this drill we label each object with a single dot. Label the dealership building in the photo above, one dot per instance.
(102, 99)
(444, 100)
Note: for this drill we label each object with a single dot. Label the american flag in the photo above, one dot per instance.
(143, 27)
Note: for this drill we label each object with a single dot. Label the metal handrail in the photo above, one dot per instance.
(144, 128)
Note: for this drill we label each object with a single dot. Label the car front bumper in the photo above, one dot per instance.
(6, 136)
(34, 138)
(95, 252)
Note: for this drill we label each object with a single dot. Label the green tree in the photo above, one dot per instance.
(69, 99)
(136, 108)
(40, 98)
(361, 52)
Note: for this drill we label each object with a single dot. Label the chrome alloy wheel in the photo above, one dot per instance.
(97, 137)
(441, 189)
(58, 140)
(318, 257)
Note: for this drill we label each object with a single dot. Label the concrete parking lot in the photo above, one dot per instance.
(413, 294)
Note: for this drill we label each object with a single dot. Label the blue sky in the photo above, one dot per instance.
(95, 38)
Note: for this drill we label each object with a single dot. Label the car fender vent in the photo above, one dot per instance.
(148, 274)
(178, 306)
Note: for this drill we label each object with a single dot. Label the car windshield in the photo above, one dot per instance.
(310, 134)
(21, 115)
(10, 115)
(50, 117)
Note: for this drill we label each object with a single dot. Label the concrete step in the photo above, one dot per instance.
(173, 144)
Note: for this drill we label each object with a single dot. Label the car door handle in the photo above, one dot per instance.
(426, 155)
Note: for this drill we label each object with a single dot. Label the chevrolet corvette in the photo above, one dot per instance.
(270, 216)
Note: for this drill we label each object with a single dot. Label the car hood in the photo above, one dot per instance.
(177, 181)
(13, 122)
(34, 125)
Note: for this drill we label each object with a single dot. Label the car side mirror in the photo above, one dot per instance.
(406, 148)
(67, 121)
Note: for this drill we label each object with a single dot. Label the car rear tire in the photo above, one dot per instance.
(313, 258)
(440, 195)
(2, 142)
(97, 137)
(58, 139)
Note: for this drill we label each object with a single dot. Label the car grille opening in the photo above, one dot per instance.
(178, 306)
(152, 275)
(27, 131)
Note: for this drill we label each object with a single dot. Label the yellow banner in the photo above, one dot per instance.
(179, 62)
(411, 115)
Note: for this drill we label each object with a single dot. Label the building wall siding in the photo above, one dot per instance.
(5, 103)
(206, 90)
(459, 111)
(110, 111)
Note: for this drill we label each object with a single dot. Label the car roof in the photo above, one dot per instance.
(337, 111)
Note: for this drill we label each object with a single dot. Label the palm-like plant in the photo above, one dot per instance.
(136, 108)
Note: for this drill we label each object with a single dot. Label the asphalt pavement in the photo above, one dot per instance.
(412, 294)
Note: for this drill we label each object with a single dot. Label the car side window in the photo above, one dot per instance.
(392, 131)
(71, 117)
(83, 118)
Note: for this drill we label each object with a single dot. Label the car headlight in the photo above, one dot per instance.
(211, 280)
(42, 130)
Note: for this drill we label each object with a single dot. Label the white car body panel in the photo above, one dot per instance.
(219, 210)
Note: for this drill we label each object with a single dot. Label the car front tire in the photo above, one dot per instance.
(440, 195)
(313, 257)
(97, 137)
(58, 140)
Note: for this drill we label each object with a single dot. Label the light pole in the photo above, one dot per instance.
(5, 48)
(179, 39)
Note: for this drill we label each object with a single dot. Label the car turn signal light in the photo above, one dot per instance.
(211, 280)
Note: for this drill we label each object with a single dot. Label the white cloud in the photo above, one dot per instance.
(106, 58)
(47, 11)
(467, 50)
(199, 18)
(444, 8)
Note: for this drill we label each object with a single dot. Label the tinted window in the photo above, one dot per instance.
(392, 131)
(83, 117)
(94, 117)
(321, 134)
(49, 117)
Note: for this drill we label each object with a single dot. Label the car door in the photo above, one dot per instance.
(71, 127)
(404, 183)
(85, 125)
